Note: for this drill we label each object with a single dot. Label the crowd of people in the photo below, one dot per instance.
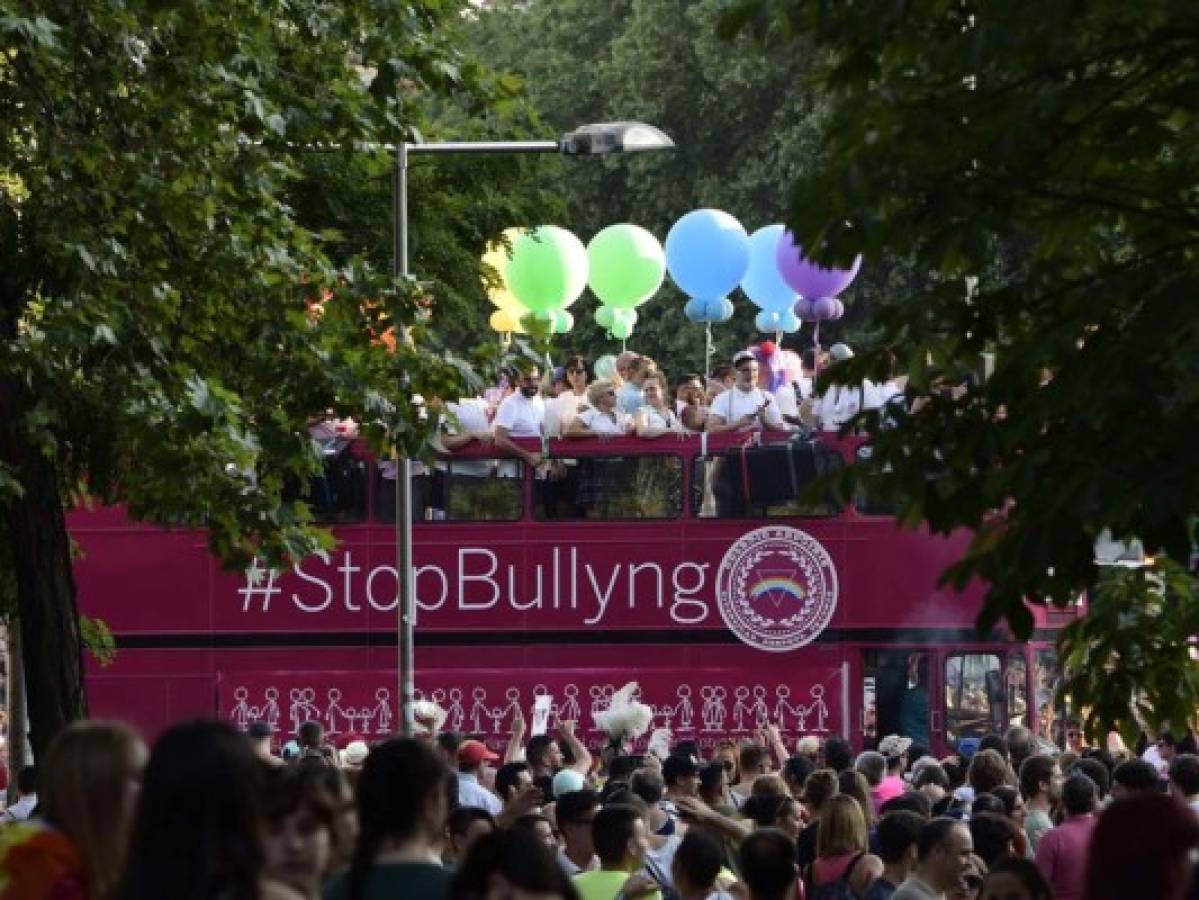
(211, 813)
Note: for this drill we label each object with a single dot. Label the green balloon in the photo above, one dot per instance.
(561, 321)
(627, 265)
(604, 316)
(621, 330)
(548, 269)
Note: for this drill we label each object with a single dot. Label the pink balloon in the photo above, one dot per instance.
(804, 276)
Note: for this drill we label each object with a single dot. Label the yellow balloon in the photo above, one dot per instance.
(505, 321)
(496, 258)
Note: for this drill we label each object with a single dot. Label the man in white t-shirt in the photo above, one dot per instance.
(521, 415)
(745, 407)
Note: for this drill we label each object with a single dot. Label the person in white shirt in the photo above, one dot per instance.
(655, 418)
(521, 415)
(604, 418)
(474, 769)
(464, 423)
(564, 408)
(841, 402)
(746, 406)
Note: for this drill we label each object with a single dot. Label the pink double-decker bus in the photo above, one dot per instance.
(638, 560)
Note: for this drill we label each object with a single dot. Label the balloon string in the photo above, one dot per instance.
(709, 350)
(624, 346)
(778, 337)
(816, 336)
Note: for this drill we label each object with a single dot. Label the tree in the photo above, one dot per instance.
(1063, 134)
(741, 130)
(159, 270)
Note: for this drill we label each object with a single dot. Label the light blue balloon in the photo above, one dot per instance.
(768, 320)
(718, 310)
(707, 253)
(694, 310)
(763, 284)
(790, 322)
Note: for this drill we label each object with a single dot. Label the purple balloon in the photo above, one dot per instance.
(807, 278)
(838, 309)
(823, 309)
(804, 309)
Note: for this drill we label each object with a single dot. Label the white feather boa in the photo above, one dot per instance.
(626, 718)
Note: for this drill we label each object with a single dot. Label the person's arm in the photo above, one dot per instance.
(503, 440)
(514, 752)
(580, 754)
(718, 424)
(578, 428)
(775, 740)
(525, 800)
(771, 418)
(698, 811)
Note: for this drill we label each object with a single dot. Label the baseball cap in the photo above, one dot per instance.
(258, 730)
(893, 746)
(566, 781)
(840, 352)
(471, 753)
(743, 356)
(968, 747)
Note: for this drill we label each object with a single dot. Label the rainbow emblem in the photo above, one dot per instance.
(777, 588)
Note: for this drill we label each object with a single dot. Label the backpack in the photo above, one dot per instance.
(837, 889)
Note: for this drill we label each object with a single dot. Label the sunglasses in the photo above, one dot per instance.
(973, 882)
(574, 370)
(609, 393)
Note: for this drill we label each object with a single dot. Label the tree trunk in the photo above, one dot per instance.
(49, 622)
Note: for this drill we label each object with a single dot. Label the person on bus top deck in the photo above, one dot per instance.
(630, 396)
(621, 365)
(521, 415)
(656, 418)
(841, 402)
(746, 406)
(605, 418)
(562, 409)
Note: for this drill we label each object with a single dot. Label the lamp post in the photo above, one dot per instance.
(586, 140)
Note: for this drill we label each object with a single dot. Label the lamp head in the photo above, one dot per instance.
(614, 137)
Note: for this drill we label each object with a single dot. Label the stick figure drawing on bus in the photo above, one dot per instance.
(270, 710)
(740, 709)
(570, 704)
(713, 711)
(456, 713)
(479, 711)
(761, 713)
(684, 711)
(302, 708)
(817, 708)
(241, 712)
(334, 714)
(782, 708)
(382, 711)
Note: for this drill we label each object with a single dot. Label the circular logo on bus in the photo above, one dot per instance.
(777, 588)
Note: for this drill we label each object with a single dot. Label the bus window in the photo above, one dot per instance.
(608, 487)
(338, 494)
(717, 493)
(456, 490)
(973, 695)
(1017, 688)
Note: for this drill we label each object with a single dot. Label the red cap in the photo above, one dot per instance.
(471, 753)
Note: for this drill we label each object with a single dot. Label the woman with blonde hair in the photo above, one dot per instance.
(90, 782)
(841, 848)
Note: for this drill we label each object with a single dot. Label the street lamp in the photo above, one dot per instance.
(586, 140)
